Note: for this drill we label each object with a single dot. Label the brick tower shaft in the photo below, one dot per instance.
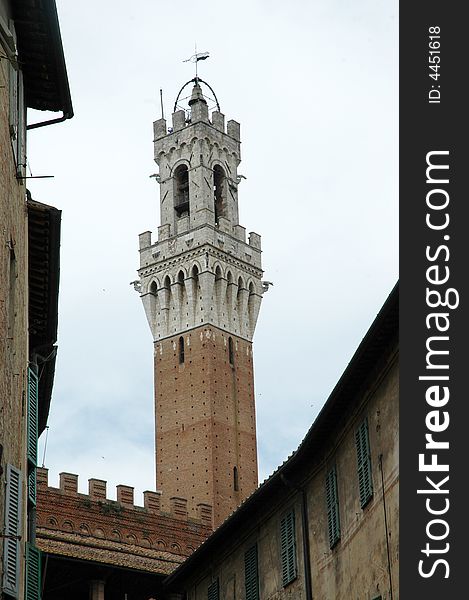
(205, 419)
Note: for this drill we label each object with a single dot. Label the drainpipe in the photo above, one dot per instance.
(305, 528)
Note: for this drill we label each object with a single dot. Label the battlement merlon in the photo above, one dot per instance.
(230, 134)
(153, 502)
(233, 244)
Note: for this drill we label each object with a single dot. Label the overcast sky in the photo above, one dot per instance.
(314, 85)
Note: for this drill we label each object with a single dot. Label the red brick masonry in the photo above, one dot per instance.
(91, 527)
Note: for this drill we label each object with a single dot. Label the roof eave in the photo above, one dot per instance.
(41, 57)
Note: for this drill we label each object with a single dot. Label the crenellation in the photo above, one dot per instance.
(255, 240)
(178, 507)
(144, 240)
(42, 477)
(125, 494)
(205, 514)
(240, 233)
(163, 232)
(218, 120)
(153, 503)
(68, 483)
(97, 489)
(179, 120)
(159, 128)
(233, 129)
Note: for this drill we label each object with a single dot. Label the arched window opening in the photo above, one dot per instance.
(251, 303)
(181, 350)
(181, 190)
(240, 289)
(219, 192)
(195, 277)
(235, 479)
(230, 351)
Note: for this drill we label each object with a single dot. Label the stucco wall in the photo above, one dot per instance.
(357, 566)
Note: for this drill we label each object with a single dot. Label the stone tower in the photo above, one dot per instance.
(201, 288)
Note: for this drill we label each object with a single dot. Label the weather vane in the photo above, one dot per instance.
(196, 57)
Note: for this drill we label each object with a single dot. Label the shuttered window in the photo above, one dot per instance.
(32, 416)
(17, 120)
(251, 574)
(11, 544)
(33, 573)
(32, 434)
(332, 501)
(213, 592)
(365, 483)
(288, 548)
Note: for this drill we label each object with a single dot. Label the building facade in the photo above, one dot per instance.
(201, 288)
(30, 45)
(325, 524)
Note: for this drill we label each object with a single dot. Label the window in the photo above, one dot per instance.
(365, 484)
(219, 192)
(251, 574)
(16, 101)
(332, 500)
(32, 434)
(288, 548)
(213, 592)
(181, 350)
(235, 479)
(230, 351)
(32, 416)
(181, 190)
(13, 519)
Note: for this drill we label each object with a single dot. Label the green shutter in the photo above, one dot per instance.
(213, 592)
(33, 573)
(288, 548)
(332, 501)
(365, 484)
(32, 486)
(32, 417)
(13, 531)
(251, 574)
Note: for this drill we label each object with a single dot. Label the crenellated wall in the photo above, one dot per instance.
(116, 532)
